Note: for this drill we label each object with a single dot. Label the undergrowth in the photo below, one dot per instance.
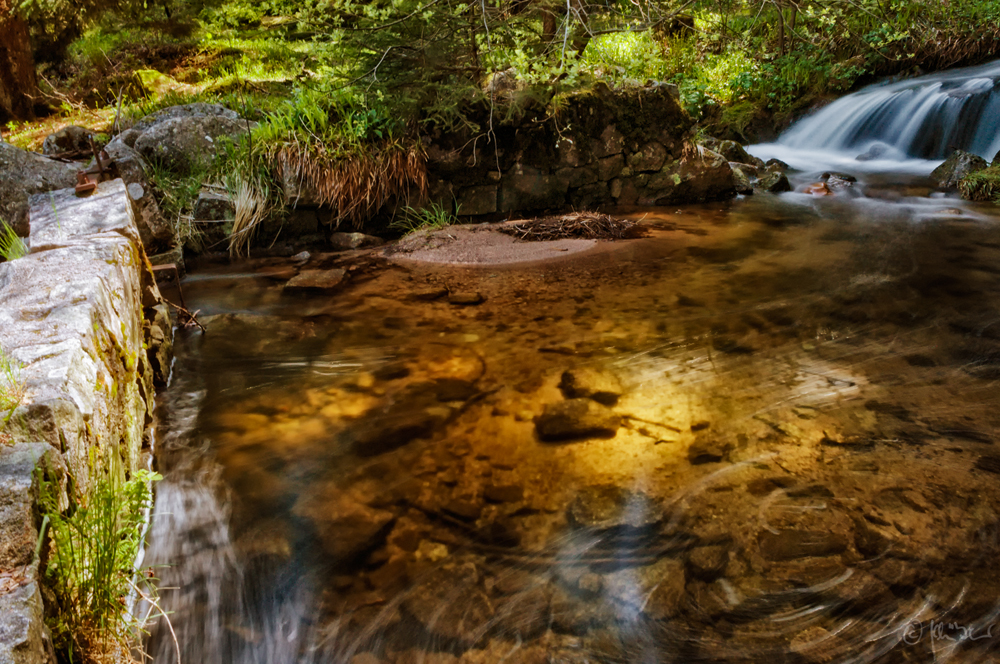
(94, 545)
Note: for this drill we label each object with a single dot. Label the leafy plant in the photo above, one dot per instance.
(91, 565)
(11, 246)
(433, 217)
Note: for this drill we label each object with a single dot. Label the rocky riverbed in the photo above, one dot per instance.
(765, 432)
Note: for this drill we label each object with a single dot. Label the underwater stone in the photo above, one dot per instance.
(791, 544)
(606, 506)
(586, 383)
(576, 418)
(316, 280)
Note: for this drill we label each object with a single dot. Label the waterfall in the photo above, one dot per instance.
(919, 118)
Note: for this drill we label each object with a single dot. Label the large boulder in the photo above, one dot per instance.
(157, 233)
(70, 140)
(956, 167)
(773, 181)
(733, 151)
(183, 138)
(699, 176)
(23, 174)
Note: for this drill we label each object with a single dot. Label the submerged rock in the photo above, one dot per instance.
(791, 544)
(956, 167)
(576, 418)
(449, 603)
(586, 383)
(655, 590)
(307, 280)
(345, 526)
(606, 506)
(874, 152)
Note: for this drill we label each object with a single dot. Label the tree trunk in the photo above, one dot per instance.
(18, 83)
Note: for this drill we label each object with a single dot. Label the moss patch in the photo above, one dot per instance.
(982, 185)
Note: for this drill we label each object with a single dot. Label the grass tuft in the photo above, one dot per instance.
(11, 386)
(11, 246)
(432, 217)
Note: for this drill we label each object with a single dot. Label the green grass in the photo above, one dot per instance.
(11, 246)
(91, 564)
(11, 386)
(432, 217)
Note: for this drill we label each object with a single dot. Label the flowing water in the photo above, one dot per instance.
(766, 432)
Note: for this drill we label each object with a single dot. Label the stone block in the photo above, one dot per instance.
(649, 158)
(525, 188)
(474, 201)
(611, 142)
(610, 167)
(577, 177)
(63, 219)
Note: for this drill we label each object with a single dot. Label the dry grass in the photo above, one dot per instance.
(587, 225)
(356, 186)
(251, 209)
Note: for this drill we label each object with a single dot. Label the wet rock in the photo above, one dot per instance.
(773, 181)
(708, 562)
(989, 462)
(346, 527)
(699, 176)
(421, 656)
(817, 189)
(347, 241)
(741, 179)
(575, 615)
(576, 418)
(655, 591)
(450, 603)
(838, 181)
(68, 140)
(365, 658)
(397, 425)
(465, 298)
(525, 614)
(956, 167)
(316, 280)
(586, 383)
(791, 544)
(503, 493)
(453, 389)
(816, 645)
(181, 138)
(463, 509)
(733, 151)
(709, 450)
(876, 151)
(776, 165)
(429, 294)
(607, 506)
(24, 173)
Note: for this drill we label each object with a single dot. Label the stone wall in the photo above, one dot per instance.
(599, 149)
(82, 314)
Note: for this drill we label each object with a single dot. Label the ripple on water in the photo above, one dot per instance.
(801, 468)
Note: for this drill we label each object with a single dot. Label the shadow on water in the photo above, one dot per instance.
(764, 433)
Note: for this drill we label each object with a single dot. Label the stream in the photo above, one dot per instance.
(765, 432)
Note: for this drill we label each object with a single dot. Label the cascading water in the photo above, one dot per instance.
(920, 120)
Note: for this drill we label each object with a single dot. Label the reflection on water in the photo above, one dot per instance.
(764, 433)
